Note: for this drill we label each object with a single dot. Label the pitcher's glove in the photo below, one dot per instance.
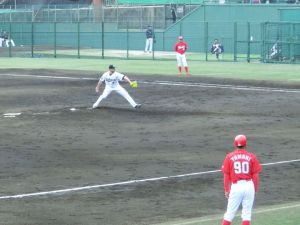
(134, 84)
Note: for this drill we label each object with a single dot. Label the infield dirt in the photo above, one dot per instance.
(178, 130)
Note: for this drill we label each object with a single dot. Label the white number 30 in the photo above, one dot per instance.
(241, 167)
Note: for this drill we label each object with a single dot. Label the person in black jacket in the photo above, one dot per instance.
(150, 36)
(173, 13)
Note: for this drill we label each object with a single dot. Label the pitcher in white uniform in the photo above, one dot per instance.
(111, 79)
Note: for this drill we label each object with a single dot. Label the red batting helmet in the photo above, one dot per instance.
(240, 141)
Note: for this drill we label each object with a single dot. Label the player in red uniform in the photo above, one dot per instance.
(180, 49)
(240, 169)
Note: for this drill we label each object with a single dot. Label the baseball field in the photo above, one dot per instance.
(63, 163)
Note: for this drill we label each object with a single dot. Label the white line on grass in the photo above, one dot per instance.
(215, 218)
(129, 182)
(170, 83)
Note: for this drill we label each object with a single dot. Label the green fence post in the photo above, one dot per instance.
(165, 9)
(262, 46)
(54, 33)
(205, 40)
(291, 42)
(127, 41)
(78, 40)
(9, 50)
(248, 42)
(235, 41)
(102, 40)
(32, 41)
(163, 40)
(153, 45)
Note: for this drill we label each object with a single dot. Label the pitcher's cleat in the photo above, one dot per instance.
(95, 107)
(138, 106)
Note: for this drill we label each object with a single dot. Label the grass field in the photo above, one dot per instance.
(252, 71)
(287, 214)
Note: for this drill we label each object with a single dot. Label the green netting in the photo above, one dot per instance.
(242, 40)
(281, 42)
(89, 40)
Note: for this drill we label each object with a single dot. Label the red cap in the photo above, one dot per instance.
(240, 141)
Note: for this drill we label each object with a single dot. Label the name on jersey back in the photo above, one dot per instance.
(241, 156)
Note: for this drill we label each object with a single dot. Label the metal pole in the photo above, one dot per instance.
(153, 45)
(248, 42)
(9, 37)
(235, 41)
(127, 42)
(102, 13)
(10, 18)
(78, 14)
(15, 4)
(141, 17)
(102, 40)
(54, 39)
(118, 16)
(165, 7)
(163, 40)
(78, 40)
(55, 13)
(206, 40)
(291, 42)
(32, 41)
(32, 14)
(48, 13)
(262, 46)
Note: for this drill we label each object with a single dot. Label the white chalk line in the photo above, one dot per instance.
(170, 83)
(48, 77)
(129, 182)
(258, 211)
(221, 86)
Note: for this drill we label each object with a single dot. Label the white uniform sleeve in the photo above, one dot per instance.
(120, 76)
(102, 78)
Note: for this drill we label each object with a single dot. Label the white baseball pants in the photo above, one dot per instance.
(120, 90)
(10, 41)
(149, 45)
(181, 59)
(243, 193)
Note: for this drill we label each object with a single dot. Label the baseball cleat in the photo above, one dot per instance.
(138, 106)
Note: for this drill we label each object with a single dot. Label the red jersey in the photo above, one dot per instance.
(180, 47)
(240, 165)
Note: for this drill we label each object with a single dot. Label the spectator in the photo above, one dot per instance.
(7, 39)
(275, 51)
(1, 39)
(174, 16)
(150, 36)
(217, 48)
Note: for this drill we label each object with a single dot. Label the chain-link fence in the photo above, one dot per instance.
(281, 42)
(241, 41)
